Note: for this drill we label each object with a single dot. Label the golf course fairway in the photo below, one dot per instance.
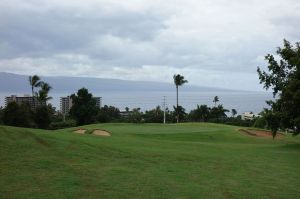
(188, 160)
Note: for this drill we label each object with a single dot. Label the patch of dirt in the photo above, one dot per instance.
(80, 131)
(101, 132)
(260, 133)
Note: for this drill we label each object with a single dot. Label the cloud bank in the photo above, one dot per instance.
(212, 43)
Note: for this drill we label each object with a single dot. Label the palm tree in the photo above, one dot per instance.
(43, 93)
(180, 112)
(178, 81)
(216, 99)
(233, 112)
(46, 87)
(34, 82)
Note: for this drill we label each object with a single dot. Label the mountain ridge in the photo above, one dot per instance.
(10, 82)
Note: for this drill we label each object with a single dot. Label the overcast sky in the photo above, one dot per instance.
(215, 43)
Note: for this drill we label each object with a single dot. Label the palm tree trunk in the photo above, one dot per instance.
(177, 103)
(33, 100)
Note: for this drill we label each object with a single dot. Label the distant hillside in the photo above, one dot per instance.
(19, 83)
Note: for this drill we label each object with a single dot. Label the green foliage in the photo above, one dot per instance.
(179, 80)
(154, 116)
(135, 116)
(179, 112)
(283, 77)
(84, 109)
(108, 114)
(62, 124)
(42, 94)
(273, 121)
(216, 99)
(17, 115)
(200, 114)
(237, 121)
(233, 112)
(203, 113)
(34, 82)
(42, 116)
(260, 123)
(218, 112)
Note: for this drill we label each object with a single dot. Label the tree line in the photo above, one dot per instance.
(85, 111)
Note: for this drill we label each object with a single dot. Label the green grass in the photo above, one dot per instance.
(147, 161)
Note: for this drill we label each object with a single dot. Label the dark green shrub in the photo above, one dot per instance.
(260, 123)
(60, 125)
(17, 115)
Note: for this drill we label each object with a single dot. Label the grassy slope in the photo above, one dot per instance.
(147, 161)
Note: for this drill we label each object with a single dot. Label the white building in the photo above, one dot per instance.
(98, 101)
(249, 116)
(65, 105)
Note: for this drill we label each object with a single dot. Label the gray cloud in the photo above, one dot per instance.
(222, 40)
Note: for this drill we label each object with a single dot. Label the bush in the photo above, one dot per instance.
(17, 115)
(61, 125)
(42, 117)
(260, 123)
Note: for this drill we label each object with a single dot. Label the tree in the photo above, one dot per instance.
(283, 77)
(216, 99)
(42, 94)
(155, 115)
(218, 112)
(84, 109)
(42, 116)
(180, 112)
(233, 112)
(34, 82)
(201, 113)
(17, 115)
(108, 114)
(273, 121)
(178, 81)
(135, 115)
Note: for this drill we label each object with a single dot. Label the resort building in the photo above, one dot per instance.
(98, 101)
(26, 99)
(66, 104)
(249, 116)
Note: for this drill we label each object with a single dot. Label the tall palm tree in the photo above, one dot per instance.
(216, 99)
(34, 82)
(178, 81)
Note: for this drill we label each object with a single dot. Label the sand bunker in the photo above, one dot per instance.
(101, 133)
(260, 133)
(80, 131)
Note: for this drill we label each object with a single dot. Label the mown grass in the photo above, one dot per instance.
(192, 160)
